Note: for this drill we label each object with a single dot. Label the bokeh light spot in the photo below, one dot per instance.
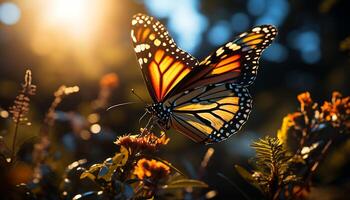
(161, 8)
(185, 20)
(93, 118)
(256, 7)
(275, 53)
(219, 33)
(9, 13)
(308, 44)
(85, 135)
(95, 128)
(275, 13)
(307, 41)
(311, 57)
(240, 22)
(4, 114)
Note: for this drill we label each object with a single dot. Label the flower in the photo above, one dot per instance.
(297, 120)
(337, 110)
(291, 129)
(147, 141)
(152, 170)
(305, 100)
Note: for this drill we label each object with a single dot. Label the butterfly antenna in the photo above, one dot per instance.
(133, 91)
(120, 104)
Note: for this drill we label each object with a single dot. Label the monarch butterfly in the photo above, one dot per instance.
(207, 101)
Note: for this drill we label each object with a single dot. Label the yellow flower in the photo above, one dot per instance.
(151, 169)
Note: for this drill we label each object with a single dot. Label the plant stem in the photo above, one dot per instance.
(314, 166)
(234, 185)
(320, 158)
(14, 143)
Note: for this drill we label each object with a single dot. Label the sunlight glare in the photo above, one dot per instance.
(68, 11)
(76, 17)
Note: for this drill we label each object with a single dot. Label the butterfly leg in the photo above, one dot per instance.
(143, 117)
(145, 130)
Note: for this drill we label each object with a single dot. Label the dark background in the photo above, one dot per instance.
(77, 42)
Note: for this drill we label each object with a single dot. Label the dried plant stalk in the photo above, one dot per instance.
(41, 148)
(20, 108)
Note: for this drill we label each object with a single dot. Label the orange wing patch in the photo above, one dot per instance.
(226, 69)
(165, 72)
(252, 36)
(226, 65)
(142, 34)
(162, 63)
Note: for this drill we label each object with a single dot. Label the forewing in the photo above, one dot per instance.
(163, 64)
(210, 113)
(236, 61)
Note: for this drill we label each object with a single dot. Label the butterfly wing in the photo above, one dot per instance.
(216, 102)
(236, 61)
(210, 113)
(163, 64)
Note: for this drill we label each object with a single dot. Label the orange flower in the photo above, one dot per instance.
(337, 110)
(296, 119)
(305, 100)
(148, 141)
(110, 80)
(151, 169)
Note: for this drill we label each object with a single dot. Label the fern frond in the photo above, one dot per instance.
(273, 169)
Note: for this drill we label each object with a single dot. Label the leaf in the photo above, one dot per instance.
(103, 171)
(87, 174)
(108, 167)
(125, 153)
(247, 176)
(128, 191)
(244, 173)
(95, 167)
(184, 183)
(118, 160)
(121, 158)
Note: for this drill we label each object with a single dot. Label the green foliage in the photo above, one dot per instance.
(134, 172)
(283, 167)
(184, 183)
(272, 161)
(272, 170)
(106, 170)
(131, 173)
(248, 176)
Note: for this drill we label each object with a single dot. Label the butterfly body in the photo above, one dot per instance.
(161, 113)
(207, 101)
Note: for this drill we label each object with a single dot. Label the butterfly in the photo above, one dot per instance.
(207, 101)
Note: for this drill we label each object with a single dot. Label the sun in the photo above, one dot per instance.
(76, 17)
(70, 12)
